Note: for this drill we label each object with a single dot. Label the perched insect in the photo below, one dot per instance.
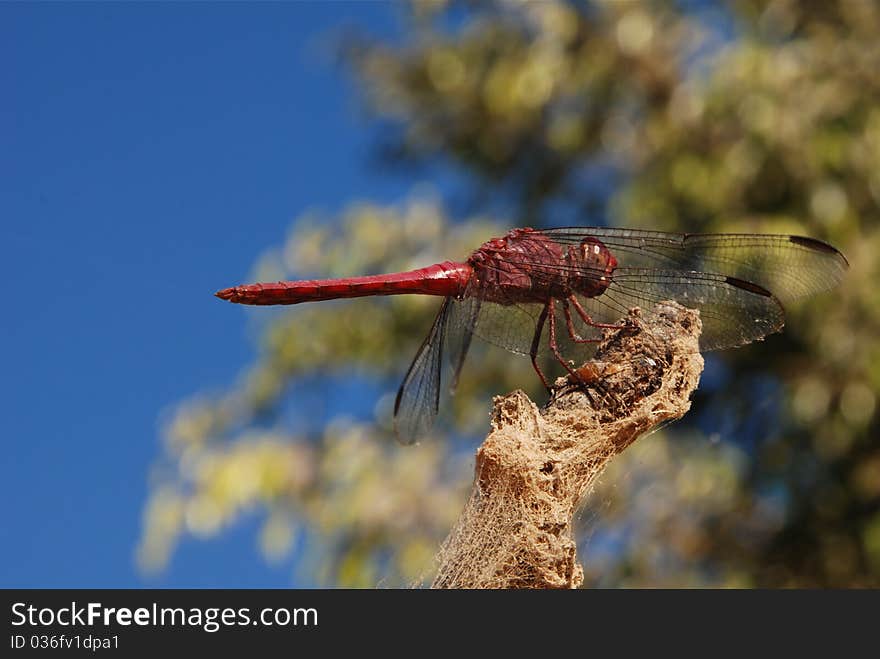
(536, 290)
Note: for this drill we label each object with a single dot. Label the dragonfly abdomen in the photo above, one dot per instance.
(443, 279)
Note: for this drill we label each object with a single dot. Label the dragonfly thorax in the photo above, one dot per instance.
(528, 266)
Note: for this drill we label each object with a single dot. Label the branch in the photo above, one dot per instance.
(536, 465)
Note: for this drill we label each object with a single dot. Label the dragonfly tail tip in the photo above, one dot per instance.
(225, 294)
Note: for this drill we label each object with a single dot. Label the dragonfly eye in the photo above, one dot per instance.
(596, 255)
(590, 248)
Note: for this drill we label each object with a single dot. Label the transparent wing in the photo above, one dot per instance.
(418, 398)
(789, 266)
(733, 311)
(463, 316)
(736, 281)
(512, 327)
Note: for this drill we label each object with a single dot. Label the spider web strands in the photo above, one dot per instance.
(790, 267)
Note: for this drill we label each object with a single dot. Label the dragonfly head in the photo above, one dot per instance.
(595, 264)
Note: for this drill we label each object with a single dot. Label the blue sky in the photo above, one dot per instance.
(148, 154)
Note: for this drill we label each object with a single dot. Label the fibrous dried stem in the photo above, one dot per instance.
(536, 465)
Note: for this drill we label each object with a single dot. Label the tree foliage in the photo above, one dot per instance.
(761, 116)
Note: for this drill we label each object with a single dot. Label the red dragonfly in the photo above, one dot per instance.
(571, 282)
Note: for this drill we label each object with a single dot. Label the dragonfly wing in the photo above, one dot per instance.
(512, 327)
(418, 399)
(789, 266)
(508, 326)
(463, 317)
(733, 311)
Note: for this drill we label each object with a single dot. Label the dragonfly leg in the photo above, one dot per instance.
(586, 317)
(570, 325)
(551, 306)
(536, 341)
